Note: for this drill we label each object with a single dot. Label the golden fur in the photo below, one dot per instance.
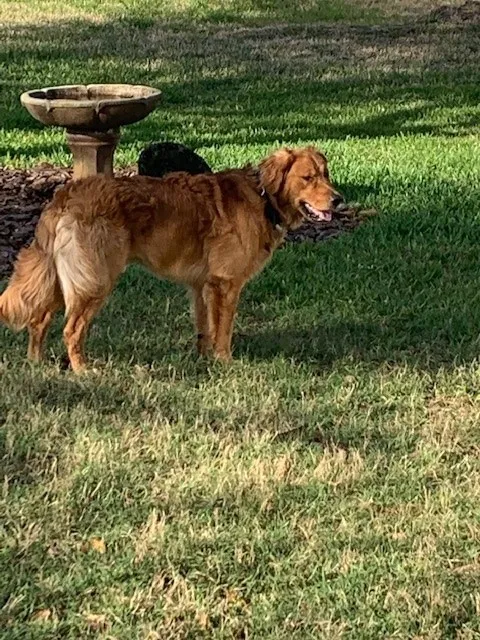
(208, 232)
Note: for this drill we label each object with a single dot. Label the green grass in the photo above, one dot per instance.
(325, 485)
(197, 11)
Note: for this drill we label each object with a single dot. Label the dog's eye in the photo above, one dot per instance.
(307, 178)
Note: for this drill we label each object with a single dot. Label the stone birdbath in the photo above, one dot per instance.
(92, 116)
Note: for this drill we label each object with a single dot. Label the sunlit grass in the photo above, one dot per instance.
(211, 11)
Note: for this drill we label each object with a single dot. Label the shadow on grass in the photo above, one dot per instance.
(105, 408)
(232, 85)
(393, 343)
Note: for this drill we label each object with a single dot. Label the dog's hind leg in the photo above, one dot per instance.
(89, 259)
(78, 322)
(37, 332)
(81, 310)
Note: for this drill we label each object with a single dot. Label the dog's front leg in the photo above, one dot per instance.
(222, 300)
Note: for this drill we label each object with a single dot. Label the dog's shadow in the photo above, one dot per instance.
(323, 345)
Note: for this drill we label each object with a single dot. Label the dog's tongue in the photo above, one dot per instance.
(317, 213)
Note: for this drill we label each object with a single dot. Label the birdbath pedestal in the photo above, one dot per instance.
(92, 152)
(92, 116)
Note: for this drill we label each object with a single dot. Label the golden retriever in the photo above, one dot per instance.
(211, 233)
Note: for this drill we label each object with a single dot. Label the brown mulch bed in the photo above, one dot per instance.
(23, 194)
(468, 12)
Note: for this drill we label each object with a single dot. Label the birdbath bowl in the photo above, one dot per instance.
(92, 116)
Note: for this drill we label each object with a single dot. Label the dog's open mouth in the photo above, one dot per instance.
(314, 214)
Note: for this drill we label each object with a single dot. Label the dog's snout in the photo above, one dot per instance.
(336, 200)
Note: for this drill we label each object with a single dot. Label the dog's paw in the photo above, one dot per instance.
(225, 357)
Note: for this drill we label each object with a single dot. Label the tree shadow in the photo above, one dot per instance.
(323, 345)
(402, 289)
(282, 82)
(106, 405)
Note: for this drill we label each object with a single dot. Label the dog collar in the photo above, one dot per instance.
(271, 212)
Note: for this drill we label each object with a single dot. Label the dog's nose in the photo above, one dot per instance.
(336, 200)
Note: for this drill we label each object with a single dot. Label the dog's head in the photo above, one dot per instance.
(299, 183)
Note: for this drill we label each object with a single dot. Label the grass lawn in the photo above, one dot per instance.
(327, 484)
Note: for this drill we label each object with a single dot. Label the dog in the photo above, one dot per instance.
(209, 232)
(161, 158)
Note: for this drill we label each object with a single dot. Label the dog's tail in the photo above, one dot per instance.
(34, 285)
(70, 260)
(81, 256)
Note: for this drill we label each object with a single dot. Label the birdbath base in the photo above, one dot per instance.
(92, 152)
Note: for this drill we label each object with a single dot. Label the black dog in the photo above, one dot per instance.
(160, 158)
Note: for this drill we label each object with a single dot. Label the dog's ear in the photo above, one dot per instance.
(320, 157)
(274, 169)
